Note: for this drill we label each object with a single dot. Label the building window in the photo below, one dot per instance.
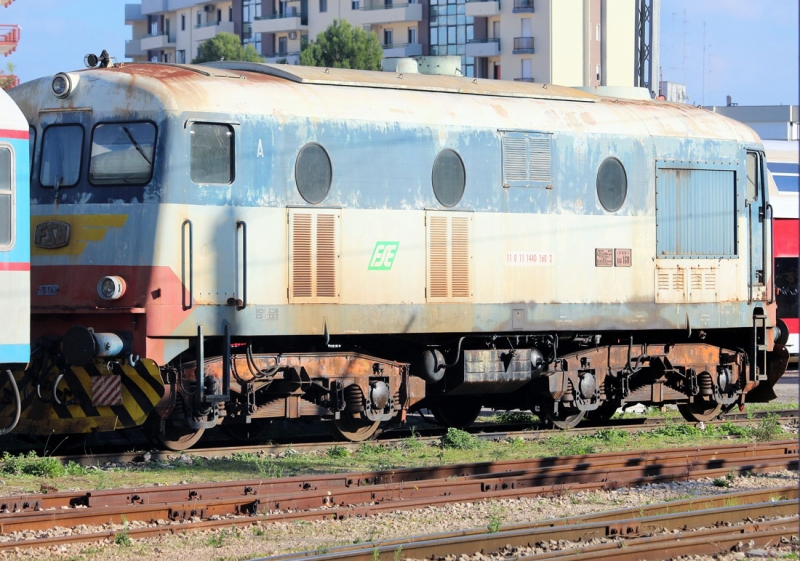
(166, 27)
(282, 46)
(230, 13)
(199, 20)
(597, 32)
(323, 6)
(526, 69)
(355, 5)
(183, 22)
(180, 57)
(412, 35)
(153, 24)
(444, 14)
(597, 72)
(387, 37)
(251, 11)
(219, 16)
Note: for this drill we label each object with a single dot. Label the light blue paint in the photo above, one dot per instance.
(15, 354)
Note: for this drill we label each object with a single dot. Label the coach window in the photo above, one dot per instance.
(211, 149)
(612, 184)
(313, 173)
(448, 178)
(6, 198)
(62, 146)
(122, 153)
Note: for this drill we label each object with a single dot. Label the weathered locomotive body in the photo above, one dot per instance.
(227, 244)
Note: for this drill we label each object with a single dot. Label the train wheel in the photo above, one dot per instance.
(354, 428)
(566, 418)
(700, 411)
(179, 438)
(456, 413)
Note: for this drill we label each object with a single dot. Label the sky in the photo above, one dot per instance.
(749, 49)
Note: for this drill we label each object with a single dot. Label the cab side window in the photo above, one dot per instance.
(122, 154)
(62, 146)
(211, 153)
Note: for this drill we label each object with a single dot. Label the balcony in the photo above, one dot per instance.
(133, 48)
(155, 42)
(524, 79)
(523, 45)
(278, 23)
(8, 81)
(402, 50)
(380, 14)
(9, 38)
(284, 58)
(483, 8)
(6, 3)
(154, 7)
(208, 30)
(483, 47)
(522, 6)
(133, 13)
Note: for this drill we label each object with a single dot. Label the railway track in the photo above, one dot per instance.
(709, 526)
(482, 431)
(200, 507)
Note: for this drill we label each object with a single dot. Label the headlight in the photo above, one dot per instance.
(111, 288)
(63, 84)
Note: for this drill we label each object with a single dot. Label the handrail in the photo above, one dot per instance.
(187, 304)
(386, 6)
(769, 283)
(243, 225)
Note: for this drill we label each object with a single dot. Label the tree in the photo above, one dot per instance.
(343, 46)
(226, 46)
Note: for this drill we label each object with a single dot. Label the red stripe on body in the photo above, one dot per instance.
(15, 266)
(793, 324)
(8, 133)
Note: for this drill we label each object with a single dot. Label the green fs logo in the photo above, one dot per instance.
(383, 256)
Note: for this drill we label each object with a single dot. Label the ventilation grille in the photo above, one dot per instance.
(313, 256)
(676, 285)
(526, 159)
(449, 256)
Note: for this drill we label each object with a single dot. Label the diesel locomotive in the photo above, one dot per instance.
(218, 246)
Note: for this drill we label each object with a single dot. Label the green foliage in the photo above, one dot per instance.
(226, 46)
(459, 440)
(123, 539)
(516, 417)
(495, 521)
(343, 46)
(337, 451)
(677, 430)
(612, 436)
(721, 482)
(768, 429)
(31, 464)
(218, 539)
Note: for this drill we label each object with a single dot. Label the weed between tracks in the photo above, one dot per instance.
(31, 473)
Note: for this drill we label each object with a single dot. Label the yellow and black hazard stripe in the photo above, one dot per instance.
(73, 411)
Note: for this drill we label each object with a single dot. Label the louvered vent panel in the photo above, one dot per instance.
(460, 257)
(302, 265)
(314, 266)
(326, 256)
(449, 256)
(539, 159)
(711, 280)
(438, 258)
(515, 158)
(663, 280)
(678, 280)
(696, 280)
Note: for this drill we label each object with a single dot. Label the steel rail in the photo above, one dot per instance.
(436, 547)
(673, 507)
(365, 500)
(320, 485)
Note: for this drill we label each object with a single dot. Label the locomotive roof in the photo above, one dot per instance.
(358, 95)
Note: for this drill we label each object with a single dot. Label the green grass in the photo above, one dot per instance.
(28, 473)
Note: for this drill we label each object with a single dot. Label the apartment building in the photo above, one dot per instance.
(570, 42)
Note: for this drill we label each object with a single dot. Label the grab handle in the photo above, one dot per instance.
(186, 236)
(241, 224)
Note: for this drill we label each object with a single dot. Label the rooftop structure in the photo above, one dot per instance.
(9, 38)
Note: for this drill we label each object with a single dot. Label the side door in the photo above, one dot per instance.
(759, 220)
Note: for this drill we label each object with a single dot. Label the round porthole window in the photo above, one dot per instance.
(449, 177)
(612, 184)
(312, 172)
